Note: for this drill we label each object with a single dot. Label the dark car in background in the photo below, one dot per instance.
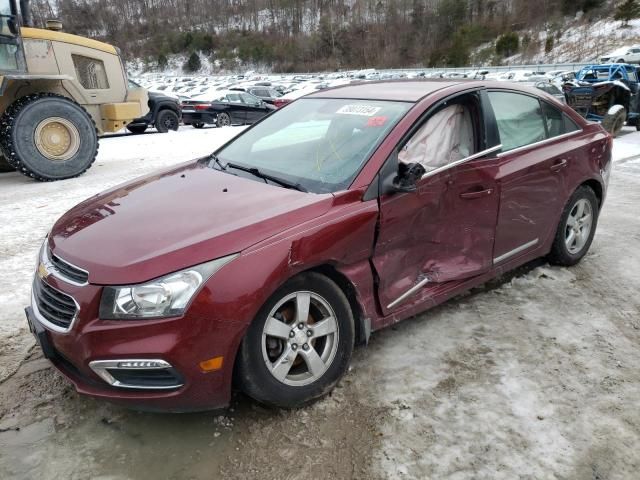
(230, 107)
(164, 114)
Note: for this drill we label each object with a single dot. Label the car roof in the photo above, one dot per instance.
(415, 90)
(398, 90)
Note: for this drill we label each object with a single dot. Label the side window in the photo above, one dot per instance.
(447, 136)
(90, 72)
(569, 125)
(249, 99)
(519, 118)
(557, 122)
(553, 119)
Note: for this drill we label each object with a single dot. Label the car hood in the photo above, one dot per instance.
(174, 219)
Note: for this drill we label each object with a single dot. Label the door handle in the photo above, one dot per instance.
(476, 194)
(556, 167)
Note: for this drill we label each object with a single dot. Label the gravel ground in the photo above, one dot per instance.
(532, 376)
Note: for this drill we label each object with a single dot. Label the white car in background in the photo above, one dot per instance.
(623, 55)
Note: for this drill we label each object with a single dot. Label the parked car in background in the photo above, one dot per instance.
(265, 93)
(551, 89)
(164, 114)
(623, 55)
(224, 108)
(340, 214)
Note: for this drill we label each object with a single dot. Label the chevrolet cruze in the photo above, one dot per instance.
(263, 264)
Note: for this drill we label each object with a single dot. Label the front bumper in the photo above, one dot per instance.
(116, 116)
(183, 343)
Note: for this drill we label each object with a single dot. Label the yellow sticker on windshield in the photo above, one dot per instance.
(365, 110)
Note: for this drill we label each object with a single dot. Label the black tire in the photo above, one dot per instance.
(252, 373)
(614, 119)
(197, 125)
(5, 166)
(18, 128)
(560, 254)
(224, 120)
(167, 120)
(620, 60)
(137, 129)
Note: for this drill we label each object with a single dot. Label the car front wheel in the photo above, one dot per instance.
(299, 345)
(576, 229)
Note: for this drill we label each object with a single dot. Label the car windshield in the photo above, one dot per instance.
(319, 144)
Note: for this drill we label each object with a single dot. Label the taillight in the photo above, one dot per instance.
(280, 102)
(202, 107)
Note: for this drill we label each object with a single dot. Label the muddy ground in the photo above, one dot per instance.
(533, 376)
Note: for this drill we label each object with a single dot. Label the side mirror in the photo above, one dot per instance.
(405, 178)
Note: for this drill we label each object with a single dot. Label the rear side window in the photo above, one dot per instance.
(90, 72)
(557, 122)
(554, 120)
(519, 118)
(569, 125)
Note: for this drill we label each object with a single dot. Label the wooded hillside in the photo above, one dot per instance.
(303, 35)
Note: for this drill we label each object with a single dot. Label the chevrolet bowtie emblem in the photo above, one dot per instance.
(42, 270)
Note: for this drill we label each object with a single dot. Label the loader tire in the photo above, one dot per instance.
(48, 137)
(614, 119)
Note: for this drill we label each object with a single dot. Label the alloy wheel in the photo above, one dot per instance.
(300, 338)
(578, 227)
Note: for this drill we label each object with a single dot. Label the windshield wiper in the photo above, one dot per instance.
(256, 172)
(214, 158)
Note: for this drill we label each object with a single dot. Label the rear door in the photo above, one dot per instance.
(237, 108)
(537, 150)
(254, 107)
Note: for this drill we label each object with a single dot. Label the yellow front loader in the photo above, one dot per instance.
(58, 93)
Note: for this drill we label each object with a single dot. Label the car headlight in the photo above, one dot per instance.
(166, 296)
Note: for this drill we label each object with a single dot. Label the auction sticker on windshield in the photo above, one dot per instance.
(366, 110)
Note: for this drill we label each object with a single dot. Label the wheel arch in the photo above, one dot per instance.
(348, 288)
(596, 186)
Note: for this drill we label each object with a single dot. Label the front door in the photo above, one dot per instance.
(444, 231)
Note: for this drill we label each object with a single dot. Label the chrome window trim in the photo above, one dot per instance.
(100, 368)
(463, 160)
(539, 143)
(515, 251)
(51, 268)
(409, 292)
(46, 323)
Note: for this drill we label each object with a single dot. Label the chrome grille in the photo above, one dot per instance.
(55, 307)
(69, 271)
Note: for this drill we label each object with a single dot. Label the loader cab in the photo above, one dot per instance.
(11, 53)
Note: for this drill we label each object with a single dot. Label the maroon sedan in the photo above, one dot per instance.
(344, 212)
